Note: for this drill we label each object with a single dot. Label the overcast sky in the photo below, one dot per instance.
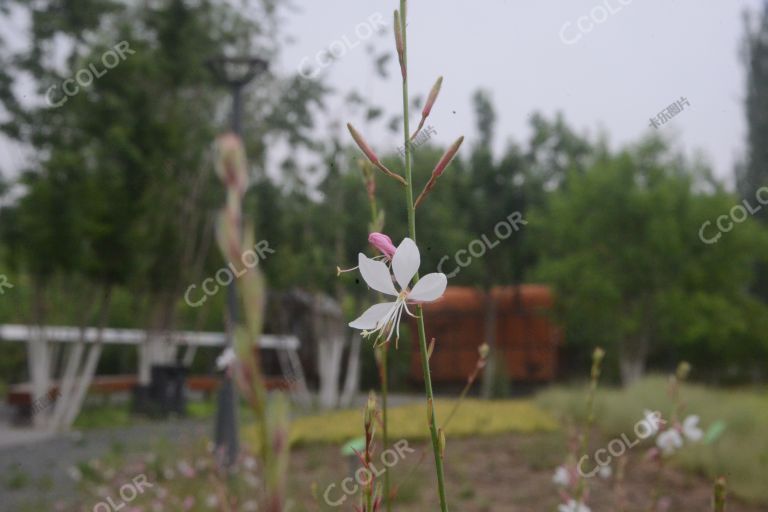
(642, 57)
(629, 63)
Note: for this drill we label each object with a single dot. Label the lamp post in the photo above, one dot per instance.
(236, 73)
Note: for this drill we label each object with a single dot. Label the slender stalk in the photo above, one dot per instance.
(471, 380)
(384, 429)
(412, 230)
(597, 360)
(383, 352)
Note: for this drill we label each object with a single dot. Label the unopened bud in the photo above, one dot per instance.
(484, 350)
(370, 408)
(400, 44)
(598, 355)
(432, 98)
(683, 370)
(439, 168)
(362, 144)
(430, 349)
(441, 442)
(719, 494)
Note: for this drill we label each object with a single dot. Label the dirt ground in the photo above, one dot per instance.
(510, 473)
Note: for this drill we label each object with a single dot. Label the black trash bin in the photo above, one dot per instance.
(165, 394)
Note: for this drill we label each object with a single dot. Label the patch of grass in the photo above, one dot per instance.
(543, 451)
(467, 492)
(16, 479)
(104, 416)
(741, 454)
(474, 418)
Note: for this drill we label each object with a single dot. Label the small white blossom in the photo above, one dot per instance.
(573, 506)
(226, 359)
(74, 473)
(384, 319)
(669, 441)
(562, 477)
(691, 429)
(653, 421)
(605, 472)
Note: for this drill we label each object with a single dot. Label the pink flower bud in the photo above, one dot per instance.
(364, 147)
(447, 157)
(383, 243)
(400, 44)
(439, 168)
(432, 98)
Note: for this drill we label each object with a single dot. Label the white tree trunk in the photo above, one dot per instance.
(352, 380)
(329, 369)
(632, 354)
(81, 387)
(67, 384)
(39, 363)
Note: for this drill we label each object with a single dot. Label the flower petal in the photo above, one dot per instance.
(405, 262)
(376, 274)
(372, 316)
(430, 287)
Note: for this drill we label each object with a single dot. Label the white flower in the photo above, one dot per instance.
(605, 472)
(691, 429)
(226, 359)
(74, 473)
(249, 463)
(573, 506)
(652, 421)
(669, 441)
(384, 319)
(562, 477)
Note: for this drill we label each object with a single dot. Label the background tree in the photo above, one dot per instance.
(621, 246)
(753, 172)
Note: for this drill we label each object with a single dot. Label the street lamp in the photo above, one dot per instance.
(235, 72)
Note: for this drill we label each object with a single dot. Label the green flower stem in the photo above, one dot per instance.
(412, 230)
(384, 429)
(383, 375)
(597, 359)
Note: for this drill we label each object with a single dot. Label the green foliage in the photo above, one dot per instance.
(620, 243)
